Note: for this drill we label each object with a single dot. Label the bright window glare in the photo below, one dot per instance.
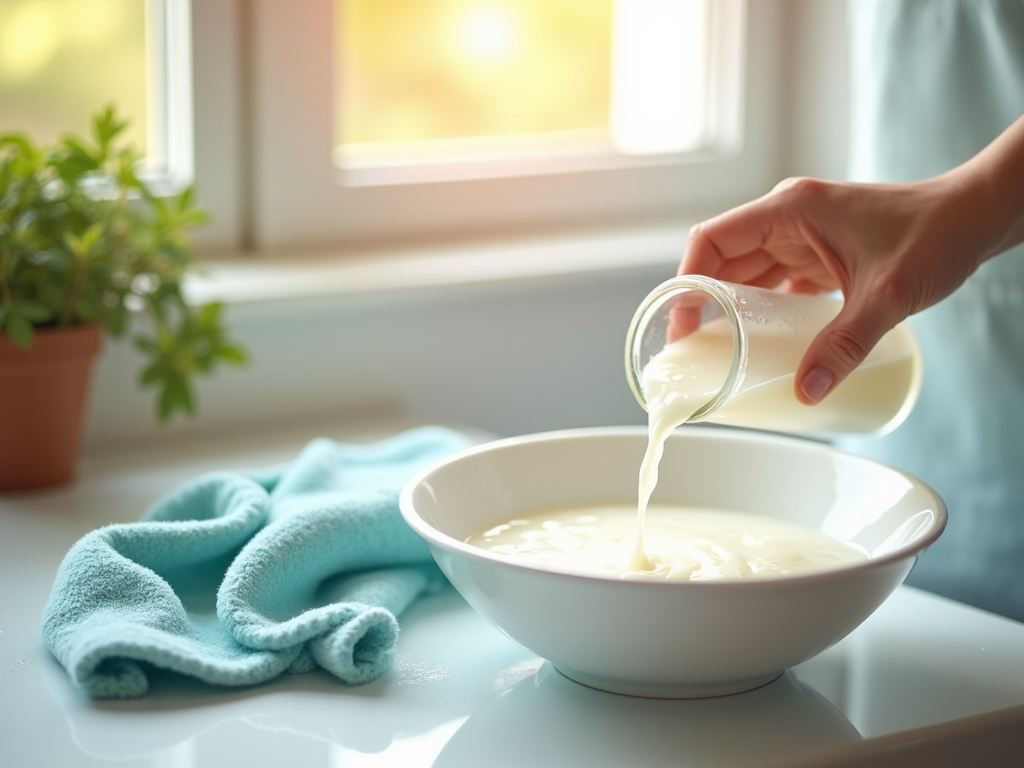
(543, 84)
(419, 71)
(405, 751)
(660, 76)
(488, 35)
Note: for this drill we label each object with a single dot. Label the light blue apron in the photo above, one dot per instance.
(934, 81)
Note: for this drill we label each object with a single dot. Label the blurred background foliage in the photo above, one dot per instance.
(61, 60)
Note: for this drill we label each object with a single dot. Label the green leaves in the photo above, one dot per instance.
(19, 329)
(17, 319)
(106, 127)
(84, 239)
(179, 350)
(73, 161)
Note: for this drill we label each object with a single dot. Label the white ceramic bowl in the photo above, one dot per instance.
(682, 639)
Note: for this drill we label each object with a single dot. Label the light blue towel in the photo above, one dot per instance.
(239, 576)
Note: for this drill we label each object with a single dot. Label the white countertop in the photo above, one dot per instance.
(925, 681)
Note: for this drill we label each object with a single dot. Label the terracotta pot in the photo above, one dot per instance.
(43, 394)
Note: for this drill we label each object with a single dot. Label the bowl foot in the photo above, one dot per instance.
(669, 690)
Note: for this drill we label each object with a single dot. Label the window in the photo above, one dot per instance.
(483, 88)
(61, 61)
(434, 183)
(46, 90)
(439, 90)
(314, 124)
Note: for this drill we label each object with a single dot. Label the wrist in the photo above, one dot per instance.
(989, 190)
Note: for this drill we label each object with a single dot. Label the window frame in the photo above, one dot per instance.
(170, 160)
(286, 194)
(716, 133)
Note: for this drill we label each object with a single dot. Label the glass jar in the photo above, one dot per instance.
(734, 350)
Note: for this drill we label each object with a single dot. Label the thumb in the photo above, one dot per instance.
(839, 348)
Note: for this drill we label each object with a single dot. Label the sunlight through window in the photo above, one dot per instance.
(62, 61)
(492, 80)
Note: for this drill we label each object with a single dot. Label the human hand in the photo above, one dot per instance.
(892, 249)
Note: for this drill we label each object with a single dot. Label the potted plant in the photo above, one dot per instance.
(86, 249)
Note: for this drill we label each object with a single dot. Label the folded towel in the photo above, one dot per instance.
(239, 576)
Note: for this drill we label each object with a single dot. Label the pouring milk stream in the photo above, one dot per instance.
(700, 349)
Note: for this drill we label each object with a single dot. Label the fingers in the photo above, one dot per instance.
(741, 232)
(797, 238)
(840, 347)
(875, 243)
(771, 277)
(767, 241)
(685, 314)
(682, 321)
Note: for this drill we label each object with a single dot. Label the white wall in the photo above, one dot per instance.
(510, 357)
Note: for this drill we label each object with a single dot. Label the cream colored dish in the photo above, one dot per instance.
(681, 639)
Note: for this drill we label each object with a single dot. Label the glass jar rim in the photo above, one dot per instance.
(653, 302)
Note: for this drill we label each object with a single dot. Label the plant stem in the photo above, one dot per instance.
(5, 268)
(75, 293)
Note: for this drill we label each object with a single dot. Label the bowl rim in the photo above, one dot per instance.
(434, 537)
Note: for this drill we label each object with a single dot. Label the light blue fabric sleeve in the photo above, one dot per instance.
(933, 82)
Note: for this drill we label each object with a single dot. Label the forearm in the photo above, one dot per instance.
(991, 186)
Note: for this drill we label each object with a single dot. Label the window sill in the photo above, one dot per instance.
(238, 279)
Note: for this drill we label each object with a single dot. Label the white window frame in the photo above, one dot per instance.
(168, 166)
(271, 65)
(170, 158)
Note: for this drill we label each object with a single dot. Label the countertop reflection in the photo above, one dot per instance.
(923, 679)
(550, 720)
